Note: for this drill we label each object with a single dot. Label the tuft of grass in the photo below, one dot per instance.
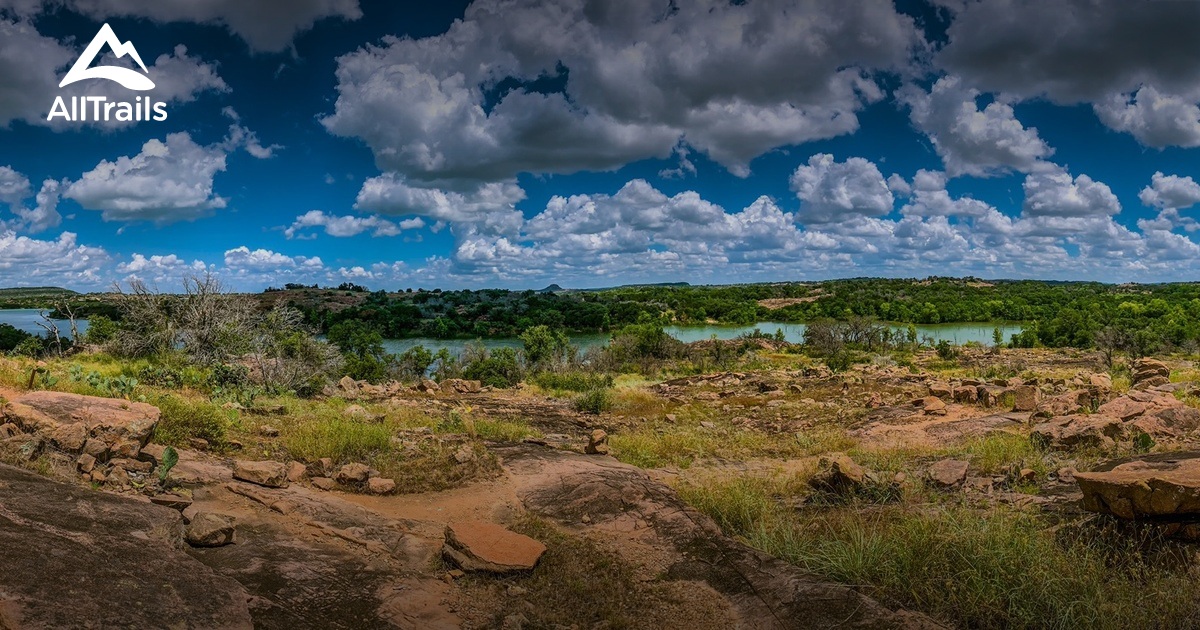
(996, 568)
(342, 439)
(185, 418)
(595, 401)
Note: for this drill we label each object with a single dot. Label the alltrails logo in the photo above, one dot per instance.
(99, 107)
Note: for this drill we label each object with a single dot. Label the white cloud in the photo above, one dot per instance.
(15, 189)
(32, 64)
(1056, 194)
(490, 207)
(1155, 119)
(26, 261)
(167, 182)
(836, 191)
(969, 140)
(642, 78)
(931, 199)
(346, 226)
(265, 26)
(1170, 191)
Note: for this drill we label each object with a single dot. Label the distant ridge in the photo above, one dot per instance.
(34, 291)
(554, 288)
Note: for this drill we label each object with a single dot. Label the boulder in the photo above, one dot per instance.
(353, 473)
(462, 386)
(265, 473)
(839, 474)
(361, 413)
(209, 530)
(948, 472)
(1102, 382)
(1025, 398)
(323, 483)
(379, 485)
(966, 395)
(1072, 402)
(482, 546)
(80, 553)
(1123, 408)
(1169, 487)
(296, 471)
(941, 390)
(69, 421)
(1148, 372)
(597, 443)
(428, 386)
(348, 386)
(931, 405)
(1071, 432)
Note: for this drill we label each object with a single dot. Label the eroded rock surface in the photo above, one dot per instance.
(74, 557)
(1161, 487)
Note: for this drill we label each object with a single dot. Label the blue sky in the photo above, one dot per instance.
(503, 143)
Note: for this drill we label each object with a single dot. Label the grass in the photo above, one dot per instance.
(595, 401)
(996, 568)
(185, 418)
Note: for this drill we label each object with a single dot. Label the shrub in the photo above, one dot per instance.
(100, 330)
(497, 368)
(414, 362)
(183, 419)
(575, 381)
(544, 347)
(595, 401)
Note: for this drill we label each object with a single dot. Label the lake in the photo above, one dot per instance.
(954, 333)
(26, 319)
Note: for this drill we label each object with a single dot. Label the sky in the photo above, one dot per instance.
(588, 143)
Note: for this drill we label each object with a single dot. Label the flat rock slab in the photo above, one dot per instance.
(75, 557)
(1144, 488)
(482, 546)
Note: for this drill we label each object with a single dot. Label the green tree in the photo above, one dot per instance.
(544, 348)
(362, 348)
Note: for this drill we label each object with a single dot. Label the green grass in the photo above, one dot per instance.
(341, 439)
(994, 568)
(185, 418)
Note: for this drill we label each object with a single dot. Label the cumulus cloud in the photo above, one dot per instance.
(265, 25)
(26, 261)
(31, 66)
(1056, 194)
(1170, 191)
(167, 181)
(15, 190)
(643, 77)
(490, 207)
(833, 191)
(973, 141)
(346, 226)
(1155, 119)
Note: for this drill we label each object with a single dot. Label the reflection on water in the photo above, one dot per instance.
(27, 319)
(954, 333)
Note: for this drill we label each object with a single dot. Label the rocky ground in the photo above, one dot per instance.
(579, 522)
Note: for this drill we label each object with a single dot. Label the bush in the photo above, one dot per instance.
(11, 337)
(572, 381)
(414, 362)
(497, 368)
(595, 401)
(100, 330)
(544, 347)
(184, 419)
(946, 350)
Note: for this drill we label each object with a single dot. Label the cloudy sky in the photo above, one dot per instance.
(515, 143)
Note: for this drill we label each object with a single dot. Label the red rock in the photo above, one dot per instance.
(948, 472)
(324, 483)
(481, 546)
(296, 471)
(209, 530)
(1144, 489)
(353, 473)
(379, 485)
(264, 473)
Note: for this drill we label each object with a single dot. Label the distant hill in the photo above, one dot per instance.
(28, 292)
(554, 288)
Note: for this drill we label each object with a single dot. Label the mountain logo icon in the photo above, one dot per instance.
(128, 78)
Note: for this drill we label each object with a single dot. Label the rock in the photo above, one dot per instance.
(325, 465)
(463, 386)
(348, 386)
(1141, 488)
(118, 477)
(597, 443)
(1025, 398)
(1123, 408)
(133, 465)
(941, 390)
(296, 471)
(1027, 475)
(360, 412)
(353, 473)
(379, 485)
(269, 410)
(268, 431)
(1072, 402)
(931, 405)
(128, 449)
(85, 464)
(481, 546)
(110, 420)
(323, 483)
(1148, 372)
(838, 474)
(152, 453)
(209, 530)
(966, 395)
(428, 386)
(989, 395)
(1066, 474)
(1071, 432)
(265, 473)
(173, 501)
(64, 537)
(1102, 382)
(8, 430)
(948, 472)
(97, 448)
(875, 401)
(464, 454)
(200, 444)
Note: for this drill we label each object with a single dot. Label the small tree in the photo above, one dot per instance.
(544, 348)
(997, 338)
